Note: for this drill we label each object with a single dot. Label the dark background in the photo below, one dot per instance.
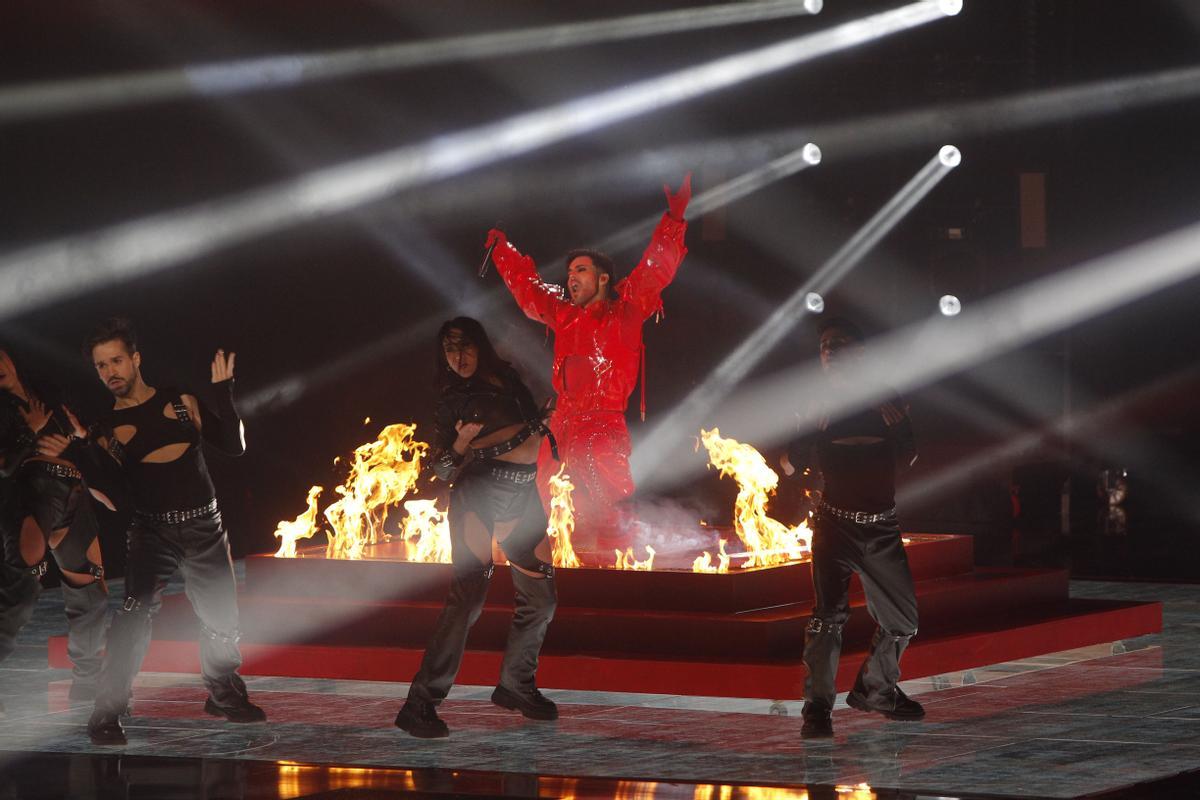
(342, 310)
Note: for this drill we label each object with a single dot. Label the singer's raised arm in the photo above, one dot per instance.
(539, 300)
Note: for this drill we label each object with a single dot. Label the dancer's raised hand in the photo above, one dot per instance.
(222, 366)
(677, 203)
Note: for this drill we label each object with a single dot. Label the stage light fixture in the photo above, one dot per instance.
(950, 156)
(950, 8)
(814, 6)
(812, 154)
(949, 305)
(814, 302)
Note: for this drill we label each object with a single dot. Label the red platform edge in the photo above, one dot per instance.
(1086, 622)
(313, 578)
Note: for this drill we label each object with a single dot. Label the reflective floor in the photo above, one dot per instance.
(1086, 722)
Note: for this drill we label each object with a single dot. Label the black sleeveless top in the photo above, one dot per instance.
(176, 485)
(477, 399)
(859, 477)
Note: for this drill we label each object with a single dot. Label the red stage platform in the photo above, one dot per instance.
(735, 634)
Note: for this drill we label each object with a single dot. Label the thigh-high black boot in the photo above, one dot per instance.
(536, 600)
(444, 653)
(19, 590)
(86, 605)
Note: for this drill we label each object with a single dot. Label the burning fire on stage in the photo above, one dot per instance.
(383, 475)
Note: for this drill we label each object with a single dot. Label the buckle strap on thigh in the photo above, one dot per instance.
(38, 569)
(818, 625)
(231, 638)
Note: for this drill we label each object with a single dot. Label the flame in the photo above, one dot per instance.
(767, 540)
(861, 791)
(382, 473)
(704, 563)
(430, 528)
(302, 527)
(628, 560)
(562, 520)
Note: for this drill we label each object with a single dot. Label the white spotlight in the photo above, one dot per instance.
(814, 6)
(811, 153)
(949, 305)
(814, 302)
(949, 156)
(948, 7)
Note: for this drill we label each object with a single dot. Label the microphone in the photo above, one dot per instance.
(487, 256)
(487, 259)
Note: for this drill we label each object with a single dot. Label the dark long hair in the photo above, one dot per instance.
(490, 363)
(33, 383)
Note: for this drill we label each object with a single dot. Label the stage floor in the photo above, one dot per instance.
(1065, 725)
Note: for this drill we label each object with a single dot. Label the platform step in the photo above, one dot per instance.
(1080, 623)
(764, 633)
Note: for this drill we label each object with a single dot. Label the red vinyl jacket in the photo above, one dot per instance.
(597, 350)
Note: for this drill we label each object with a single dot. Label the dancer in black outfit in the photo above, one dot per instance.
(486, 409)
(46, 506)
(856, 531)
(146, 453)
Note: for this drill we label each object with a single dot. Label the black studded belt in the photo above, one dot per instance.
(176, 517)
(857, 517)
(505, 471)
(507, 446)
(57, 470)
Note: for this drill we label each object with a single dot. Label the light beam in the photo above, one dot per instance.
(653, 451)
(51, 98)
(45, 273)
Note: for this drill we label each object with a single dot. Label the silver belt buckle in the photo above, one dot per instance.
(862, 517)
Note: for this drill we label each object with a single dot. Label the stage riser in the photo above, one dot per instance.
(1089, 623)
(945, 604)
(736, 591)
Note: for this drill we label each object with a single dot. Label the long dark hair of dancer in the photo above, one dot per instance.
(34, 387)
(490, 363)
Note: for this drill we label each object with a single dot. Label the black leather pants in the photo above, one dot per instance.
(19, 590)
(487, 490)
(874, 551)
(198, 548)
(536, 598)
(55, 503)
